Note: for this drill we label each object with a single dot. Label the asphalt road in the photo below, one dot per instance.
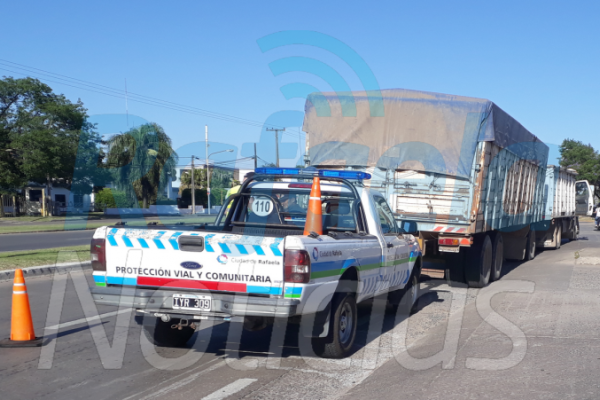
(44, 240)
(541, 344)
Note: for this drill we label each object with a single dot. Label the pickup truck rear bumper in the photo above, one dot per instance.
(223, 305)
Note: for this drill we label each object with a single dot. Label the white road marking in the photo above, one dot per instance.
(160, 391)
(230, 389)
(82, 320)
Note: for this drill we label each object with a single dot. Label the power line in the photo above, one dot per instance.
(108, 91)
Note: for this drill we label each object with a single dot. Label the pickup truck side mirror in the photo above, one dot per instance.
(408, 227)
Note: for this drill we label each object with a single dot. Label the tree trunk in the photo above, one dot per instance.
(1, 206)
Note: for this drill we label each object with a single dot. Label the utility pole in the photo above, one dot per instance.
(255, 160)
(193, 189)
(207, 170)
(276, 143)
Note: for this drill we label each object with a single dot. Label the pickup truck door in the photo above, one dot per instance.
(395, 251)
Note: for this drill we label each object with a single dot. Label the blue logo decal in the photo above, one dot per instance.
(223, 259)
(315, 253)
(190, 265)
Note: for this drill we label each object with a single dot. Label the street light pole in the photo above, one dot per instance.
(193, 189)
(207, 174)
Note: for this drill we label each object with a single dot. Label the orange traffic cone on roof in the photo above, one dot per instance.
(22, 333)
(314, 215)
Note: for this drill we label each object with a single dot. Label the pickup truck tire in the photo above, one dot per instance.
(410, 296)
(497, 256)
(342, 328)
(161, 333)
(478, 266)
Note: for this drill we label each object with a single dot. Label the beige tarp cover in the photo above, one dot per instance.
(398, 128)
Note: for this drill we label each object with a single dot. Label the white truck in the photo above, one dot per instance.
(560, 218)
(584, 198)
(254, 264)
(472, 177)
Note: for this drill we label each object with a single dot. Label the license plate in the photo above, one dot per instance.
(192, 302)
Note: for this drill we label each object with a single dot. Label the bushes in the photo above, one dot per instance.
(217, 197)
(111, 198)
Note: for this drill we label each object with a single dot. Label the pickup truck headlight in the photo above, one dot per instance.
(296, 266)
(98, 254)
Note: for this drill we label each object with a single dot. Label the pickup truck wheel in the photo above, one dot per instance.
(410, 296)
(479, 262)
(161, 333)
(497, 256)
(342, 328)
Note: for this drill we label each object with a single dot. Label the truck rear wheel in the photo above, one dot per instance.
(342, 328)
(530, 247)
(479, 262)
(558, 236)
(455, 268)
(162, 334)
(497, 256)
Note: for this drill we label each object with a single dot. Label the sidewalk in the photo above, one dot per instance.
(539, 345)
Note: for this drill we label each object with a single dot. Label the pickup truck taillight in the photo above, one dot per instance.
(98, 253)
(296, 264)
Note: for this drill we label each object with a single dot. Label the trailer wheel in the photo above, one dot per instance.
(162, 334)
(558, 236)
(530, 248)
(455, 268)
(574, 231)
(479, 262)
(497, 256)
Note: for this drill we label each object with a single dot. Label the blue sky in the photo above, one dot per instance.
(539, 61)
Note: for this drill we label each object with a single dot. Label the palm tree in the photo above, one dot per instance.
(142, 159)
(199, 178)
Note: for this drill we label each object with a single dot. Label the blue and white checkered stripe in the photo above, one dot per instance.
(233, 249)
(370, 284)
(161, 242)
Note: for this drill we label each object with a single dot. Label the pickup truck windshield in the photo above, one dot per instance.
(284, 205)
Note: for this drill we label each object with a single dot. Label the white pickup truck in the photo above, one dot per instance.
(254, 264)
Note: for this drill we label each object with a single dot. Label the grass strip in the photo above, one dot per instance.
(34, 258)
(43, 228)
(6, 226)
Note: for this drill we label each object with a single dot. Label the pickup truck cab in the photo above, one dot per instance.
(255, 264)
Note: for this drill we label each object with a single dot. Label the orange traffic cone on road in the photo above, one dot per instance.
(22, 333)
(314, 215)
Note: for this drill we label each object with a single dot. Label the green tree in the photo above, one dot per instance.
(41, 133)
(584, 159)
(145, 160)
(199, 178)
(219, 178)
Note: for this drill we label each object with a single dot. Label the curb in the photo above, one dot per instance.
(41, 270)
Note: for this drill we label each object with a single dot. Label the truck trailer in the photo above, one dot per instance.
(470, 175)
(560, 219)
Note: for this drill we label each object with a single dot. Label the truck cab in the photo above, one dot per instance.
(255, 263)
(584, 198)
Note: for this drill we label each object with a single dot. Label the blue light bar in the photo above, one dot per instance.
(277, 171)
(325, 173)
(344, 174)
